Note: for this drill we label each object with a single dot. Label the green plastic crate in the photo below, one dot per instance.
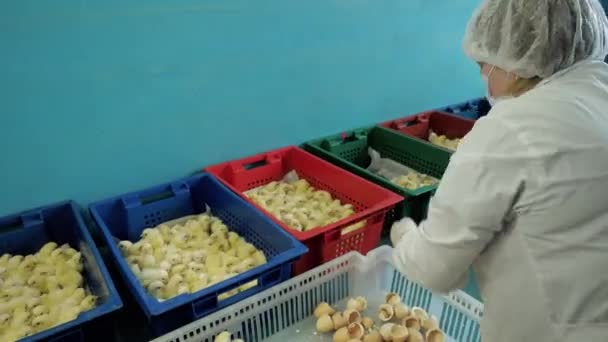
(349, 150)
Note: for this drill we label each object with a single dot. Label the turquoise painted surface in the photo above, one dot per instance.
(103, 97)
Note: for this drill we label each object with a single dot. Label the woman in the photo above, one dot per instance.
(525, 198)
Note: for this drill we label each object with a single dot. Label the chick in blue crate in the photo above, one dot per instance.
(525, 197)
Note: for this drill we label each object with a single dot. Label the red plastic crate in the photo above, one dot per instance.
(371, 201)
(442, 123)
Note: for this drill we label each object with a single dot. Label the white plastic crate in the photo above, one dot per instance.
(284, 312)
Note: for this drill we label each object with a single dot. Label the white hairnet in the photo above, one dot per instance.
(537, 37)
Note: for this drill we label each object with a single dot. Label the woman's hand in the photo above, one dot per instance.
(400, 228)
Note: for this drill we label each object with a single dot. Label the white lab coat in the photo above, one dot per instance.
(525, 200)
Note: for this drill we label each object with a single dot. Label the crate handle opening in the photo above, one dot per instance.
(73, 335)
(256, 162)
(410, 121)
(156, 195)
(17, 223)
(11, 226)
(344, 138)
(251, 286)
(255, 165)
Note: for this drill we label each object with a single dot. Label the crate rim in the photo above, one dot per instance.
(393, 187)
(114, 301)
(153, 307)
(390, 201)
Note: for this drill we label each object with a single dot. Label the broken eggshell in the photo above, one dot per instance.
(352, 316)
(323, 309)
(399, 333)
(435, 335)
(325, 324)
(367, 322)
(392, 298)
(401, 310)
(339, 320)
(411, 322)
(415, 336)
(385, 331)
(386, 312)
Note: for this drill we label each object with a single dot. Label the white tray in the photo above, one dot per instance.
(284, 312)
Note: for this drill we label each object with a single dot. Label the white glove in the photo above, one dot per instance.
(400, 228)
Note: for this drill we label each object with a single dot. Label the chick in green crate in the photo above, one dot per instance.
(526, 207)
(398, 173)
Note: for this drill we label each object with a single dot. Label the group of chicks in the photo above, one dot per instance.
(40, 291)
(177, 259)
(299, 205)
(399, 322)
(414, 180)
(443, 141)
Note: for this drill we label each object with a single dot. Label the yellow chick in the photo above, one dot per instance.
(46, 250)
(199, 256)
(75, 298)
(4, 259)
(14, 262)
(156, 289)
(19, 317)
(146, 248)
(42, 322)
(165, 265)
(69, 277)
(32, 302)
(178, 269)
(5, 318)
(174, 282)
(148, 260)
(197, 285)
(196, 267)
(88, 303)
(190, 276)
(68, 314)
(136, 270)
(213, 261)
(67, 250)
(17, 333)
(218, 227)
(75, 262)
(173, 258)
(40, 310)
(165, 231)
(245, 250)
(28, 264)
(125, 247)
(259, 258)
(183, 289)
(153, 274)
(15, 279)
(229, 260)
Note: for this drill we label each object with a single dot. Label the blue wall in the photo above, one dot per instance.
(102, 97)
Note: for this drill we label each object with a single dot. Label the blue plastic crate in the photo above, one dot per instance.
(473, 109)
(124, 217)
(27, 232)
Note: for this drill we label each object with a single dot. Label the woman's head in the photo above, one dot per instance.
(534, 39)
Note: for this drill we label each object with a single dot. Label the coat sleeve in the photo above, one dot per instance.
(476, 194)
